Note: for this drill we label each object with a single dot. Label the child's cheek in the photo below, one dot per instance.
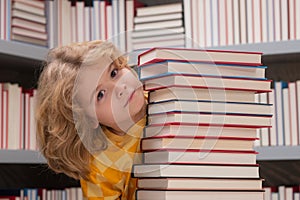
(134, 81)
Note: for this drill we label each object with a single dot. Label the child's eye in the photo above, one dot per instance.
(100, 95)
(114, 73)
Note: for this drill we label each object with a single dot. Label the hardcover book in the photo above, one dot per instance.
(198, 194)
(195, 171)
(204, 68)
(198, 131)
(199, 183)
(210, 82)
(157, 54)
(210, 107)
(185, 93)
(198, 156)
(196, 143)
(211, 119)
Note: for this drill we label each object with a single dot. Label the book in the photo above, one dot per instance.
(173, 40)
(197, 156)
(161, 17)
(194, 171)
(159, 38)
(210, 107)
(198, 131)
(172, 92)
(23, 23)
(184, 54)
(194, 143)
(29, 16)
(159, 24)
(165, 43)
(209, 119)
(199, 183)
(9, 198)
(198, 194)
(198, 81)
(159, 9)
(157, 32)
(30, 8)
(37, 4)
(203, 68)
(29, 33)
(12, 113)
(31, 40)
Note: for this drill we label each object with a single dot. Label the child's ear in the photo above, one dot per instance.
(95, 123)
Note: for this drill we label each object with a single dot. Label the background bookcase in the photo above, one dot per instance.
(21, 62)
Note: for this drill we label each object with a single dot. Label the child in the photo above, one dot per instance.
(90, 114)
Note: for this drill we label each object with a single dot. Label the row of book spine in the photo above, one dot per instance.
(24, 21)
(282, 192)
(219, 23)
(17, 123)
(63, 22)
(91, 20)
(160, 25)
(72, 193)
(286, 100)
(229, 22)
(193, 146)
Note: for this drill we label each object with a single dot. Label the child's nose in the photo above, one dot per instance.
(121, 89)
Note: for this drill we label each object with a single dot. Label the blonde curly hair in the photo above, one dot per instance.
(57, 131)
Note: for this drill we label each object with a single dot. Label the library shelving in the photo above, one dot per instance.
(283, 61)
(21, 157)
(268, 48)
(20, 62)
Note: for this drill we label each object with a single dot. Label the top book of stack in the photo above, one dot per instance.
(157, 54)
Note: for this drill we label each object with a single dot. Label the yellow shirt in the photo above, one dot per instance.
(110, 176)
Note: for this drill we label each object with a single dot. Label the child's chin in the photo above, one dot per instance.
(136, 108)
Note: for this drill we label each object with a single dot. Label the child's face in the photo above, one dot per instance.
(118, 97)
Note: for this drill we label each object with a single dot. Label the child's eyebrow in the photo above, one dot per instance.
(109, 68)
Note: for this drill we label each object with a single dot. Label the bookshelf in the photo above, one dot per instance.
(21, 50)
(275, 153)
(268, 48)
(32, 175)
(20, 63)
(21, 157)
(275, 160)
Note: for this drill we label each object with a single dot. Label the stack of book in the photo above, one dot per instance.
(160, 25)
(28, 22)
(202, 124)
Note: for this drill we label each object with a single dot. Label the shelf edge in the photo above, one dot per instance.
(21, 157)
(278, 153)
(19, 49)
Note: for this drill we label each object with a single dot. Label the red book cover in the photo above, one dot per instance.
(206, 82)
(196, 143)
(185, 54)
(213, 119)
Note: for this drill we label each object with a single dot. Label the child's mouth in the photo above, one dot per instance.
(130, 98)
